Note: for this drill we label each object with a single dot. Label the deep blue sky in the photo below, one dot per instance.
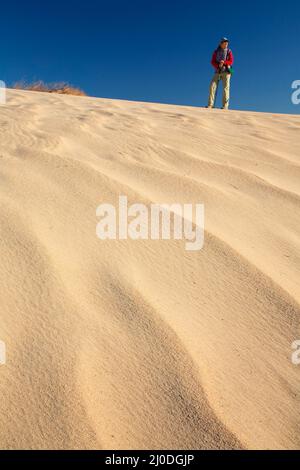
(155, 50)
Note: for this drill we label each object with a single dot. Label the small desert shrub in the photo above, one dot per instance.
(60, 88)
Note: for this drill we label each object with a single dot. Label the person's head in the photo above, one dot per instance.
(224, 43)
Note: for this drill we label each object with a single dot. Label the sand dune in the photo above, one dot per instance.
(141, 344)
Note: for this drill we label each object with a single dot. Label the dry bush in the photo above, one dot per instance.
(60, 88)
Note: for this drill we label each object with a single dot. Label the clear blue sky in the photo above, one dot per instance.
(155, 50)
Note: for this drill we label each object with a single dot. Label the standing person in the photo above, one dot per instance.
(222, 61)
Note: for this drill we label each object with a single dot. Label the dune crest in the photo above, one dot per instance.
(141, 344)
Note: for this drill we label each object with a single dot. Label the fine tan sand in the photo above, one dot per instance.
(142, 344)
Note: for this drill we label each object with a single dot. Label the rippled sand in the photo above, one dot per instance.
(141, 344)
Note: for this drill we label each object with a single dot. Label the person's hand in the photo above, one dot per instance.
(221, 63)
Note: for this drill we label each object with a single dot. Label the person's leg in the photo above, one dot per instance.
(213, 90)
(226, 89)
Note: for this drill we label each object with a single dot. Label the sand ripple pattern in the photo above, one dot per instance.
(115, 345)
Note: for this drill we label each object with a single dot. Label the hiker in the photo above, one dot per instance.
(222, 61)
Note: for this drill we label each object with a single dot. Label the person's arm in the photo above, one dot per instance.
(214, 62)
(230, 60)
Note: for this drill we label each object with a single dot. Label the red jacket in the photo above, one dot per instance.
(228, 62)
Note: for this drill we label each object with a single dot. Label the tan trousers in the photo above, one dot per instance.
(225, 77)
